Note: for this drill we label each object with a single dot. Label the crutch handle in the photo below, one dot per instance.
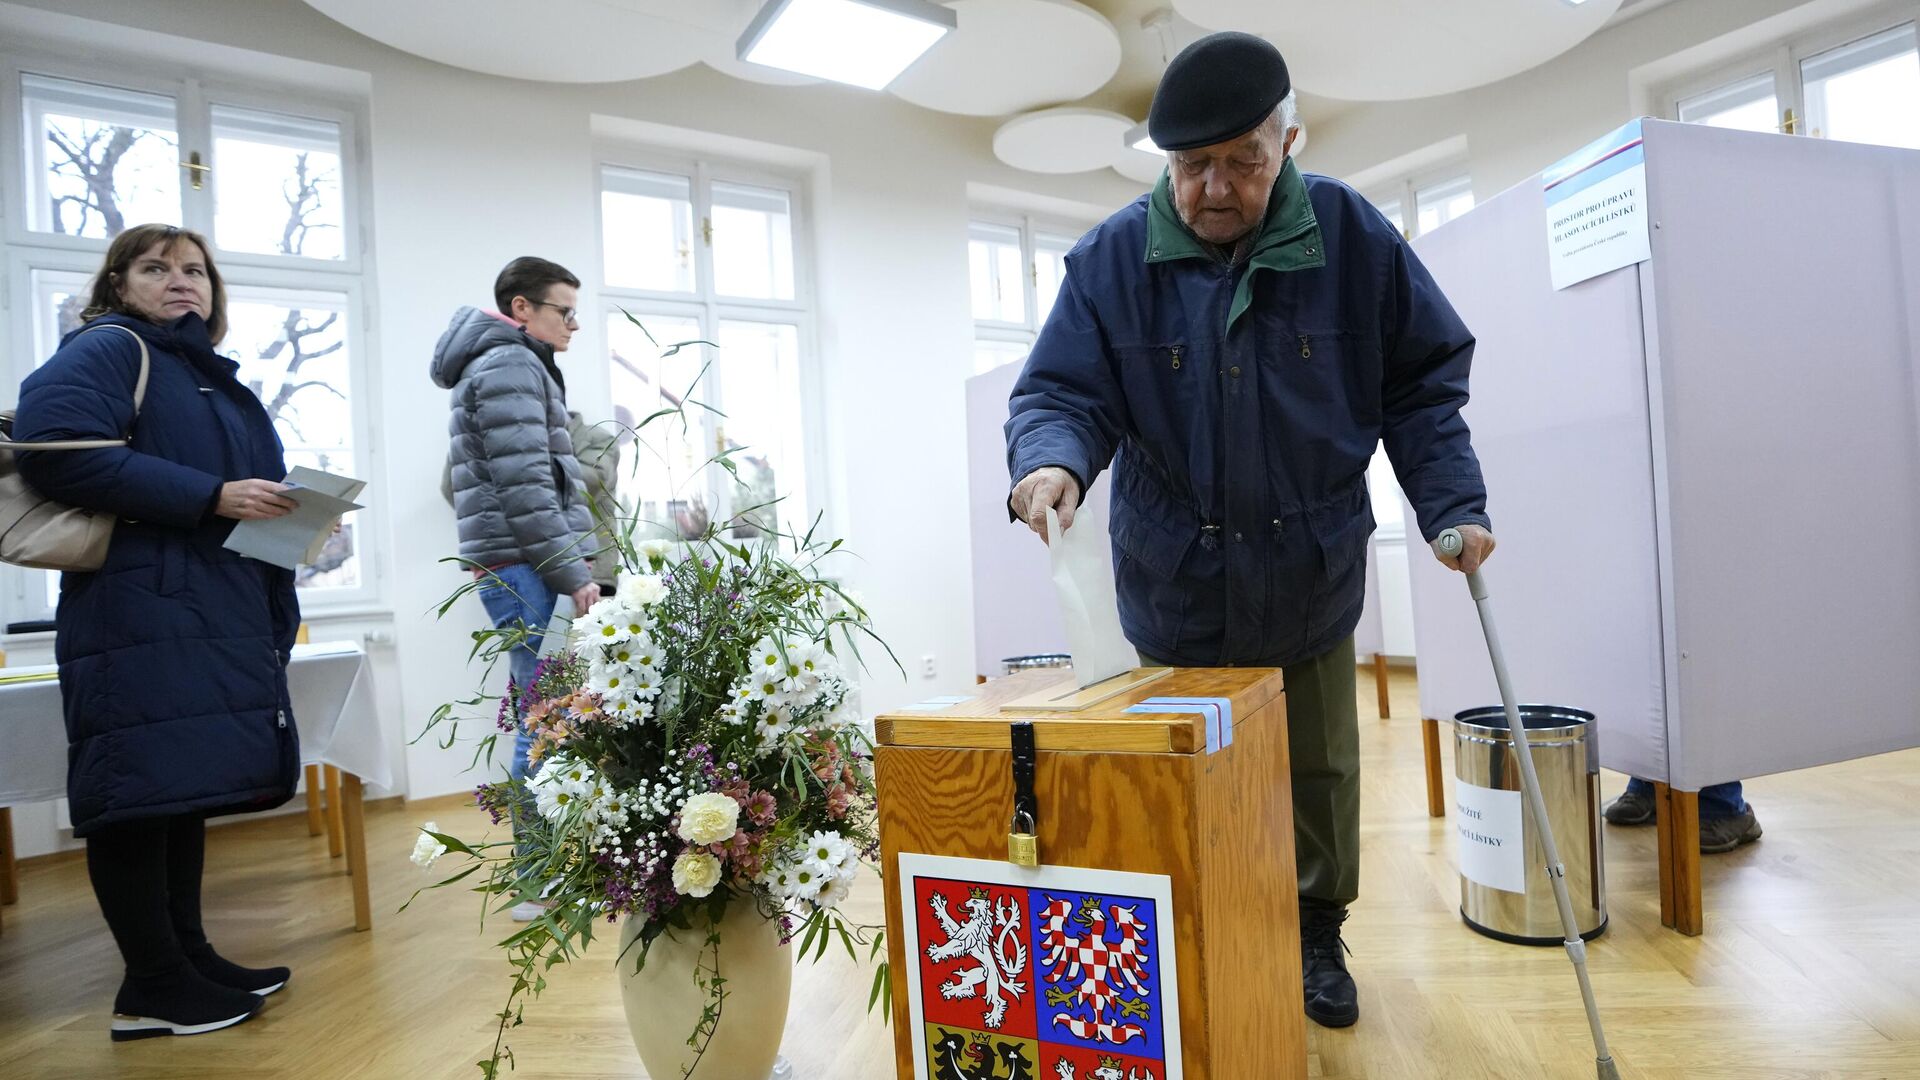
(1450, 543)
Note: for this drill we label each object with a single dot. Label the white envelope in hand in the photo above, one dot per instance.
(1082, 561)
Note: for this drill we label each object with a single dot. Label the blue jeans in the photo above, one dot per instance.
(515, 596)
(1716, 801)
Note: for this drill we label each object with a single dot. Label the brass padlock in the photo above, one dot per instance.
(1023, 848)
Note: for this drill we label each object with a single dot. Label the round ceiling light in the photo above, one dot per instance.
(590, 42)
(1009, 56)
(1066, 140)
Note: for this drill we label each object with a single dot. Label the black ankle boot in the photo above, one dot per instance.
(1332, 1000)
(262, 981)
(181, 1002)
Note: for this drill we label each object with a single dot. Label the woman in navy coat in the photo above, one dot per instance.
(173, 654)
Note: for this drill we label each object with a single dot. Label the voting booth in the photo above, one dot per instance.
(1695, 401)
(1094, 879)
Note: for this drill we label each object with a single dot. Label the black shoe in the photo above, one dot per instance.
(1631, 808)
(1332, 999)
(262, 981)
(184, 1002)
(1720, 835)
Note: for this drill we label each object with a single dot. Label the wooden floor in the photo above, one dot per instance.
(1810, 966)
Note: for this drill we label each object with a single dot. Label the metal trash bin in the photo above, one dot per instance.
(1013, 665)
(1505, 892)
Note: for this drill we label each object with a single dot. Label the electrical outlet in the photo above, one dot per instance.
(927, 669)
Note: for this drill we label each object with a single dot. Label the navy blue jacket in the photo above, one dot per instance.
(173, 654)
(1239, 403)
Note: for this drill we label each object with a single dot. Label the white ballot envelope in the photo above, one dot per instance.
(1083, 582)
(297, 538)
(554, 639)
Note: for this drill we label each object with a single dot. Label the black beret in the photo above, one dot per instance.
(1217, 89)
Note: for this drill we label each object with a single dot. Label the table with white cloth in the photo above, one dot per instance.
(341, 740)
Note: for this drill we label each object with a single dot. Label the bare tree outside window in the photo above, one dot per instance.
(102, 158)
(97, 171)
(277, 184)
(293, 355)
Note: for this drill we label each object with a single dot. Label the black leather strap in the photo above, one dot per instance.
(1024, 766)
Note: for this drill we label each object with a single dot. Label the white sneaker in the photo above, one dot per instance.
(528, 911)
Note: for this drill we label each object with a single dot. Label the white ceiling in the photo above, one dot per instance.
(1385, 50)
(1014, 57)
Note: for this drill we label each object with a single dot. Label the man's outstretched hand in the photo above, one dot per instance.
(1041, 488)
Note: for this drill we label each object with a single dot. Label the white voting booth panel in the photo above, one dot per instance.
(1014, 611)
(1704, 470)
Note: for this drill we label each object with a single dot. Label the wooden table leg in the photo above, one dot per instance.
(356, 840)
(1380, 685)
(1677, 819)
(9, 870)
(333, 811)
(9, 882)
(316, 816)
(1436, 789)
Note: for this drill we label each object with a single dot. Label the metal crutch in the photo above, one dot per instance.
(1450, 544)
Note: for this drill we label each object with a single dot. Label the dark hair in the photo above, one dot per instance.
(135, 242)
(529, 276)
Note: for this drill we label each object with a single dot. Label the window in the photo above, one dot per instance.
(1015, 269)
(100, 157)
(712, 319)
(271, 184)
(1853, 83)
(1442, 202)
(1866, 91)
(1747, 105)
(1425, 203)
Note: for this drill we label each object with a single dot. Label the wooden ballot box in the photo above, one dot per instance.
(1157, 933)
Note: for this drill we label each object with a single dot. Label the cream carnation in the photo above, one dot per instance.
(710, 818)
(696, 873)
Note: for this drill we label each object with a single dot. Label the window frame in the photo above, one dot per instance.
(1404, 192)
(29, 250)
(708, 308)
(1032, 228)
(1782, 58)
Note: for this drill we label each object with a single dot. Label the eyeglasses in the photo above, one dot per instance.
(567, 314)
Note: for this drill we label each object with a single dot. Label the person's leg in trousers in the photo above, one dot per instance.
(1323, 743)
(186, 865)
(519, 598)
(162, 993)
(1726, 819)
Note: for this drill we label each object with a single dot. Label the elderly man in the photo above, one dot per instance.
(1236, 344)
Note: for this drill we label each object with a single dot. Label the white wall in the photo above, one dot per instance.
(1516, 127)
(468, 171)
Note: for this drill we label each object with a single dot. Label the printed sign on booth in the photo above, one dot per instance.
(1597, 210)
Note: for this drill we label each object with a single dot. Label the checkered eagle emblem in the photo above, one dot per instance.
(1061, 973)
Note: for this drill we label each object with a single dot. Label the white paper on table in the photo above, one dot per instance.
(297, 538)
(1083, 582)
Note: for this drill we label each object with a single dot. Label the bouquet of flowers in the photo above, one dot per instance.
(697, 744)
